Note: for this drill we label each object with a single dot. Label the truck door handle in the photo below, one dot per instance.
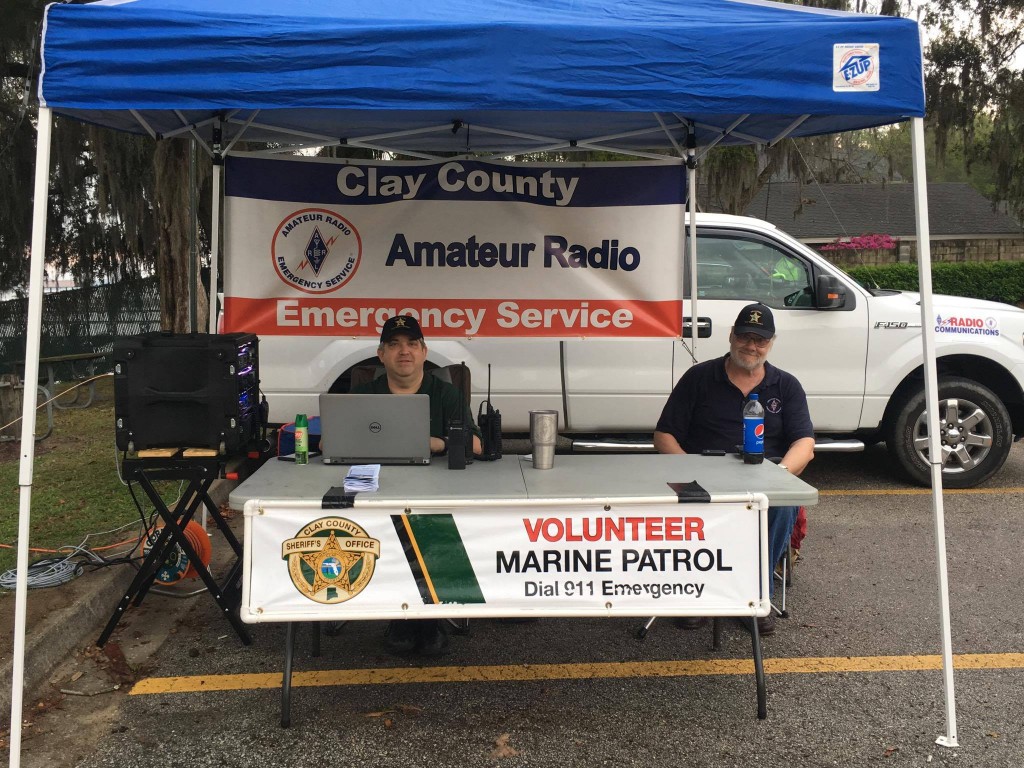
(703, 327)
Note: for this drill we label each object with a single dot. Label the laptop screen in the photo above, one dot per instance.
(375, 429)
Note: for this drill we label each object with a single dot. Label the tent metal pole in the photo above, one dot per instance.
(691, 177)
(931, 391)
(218, 178)
(28, 419)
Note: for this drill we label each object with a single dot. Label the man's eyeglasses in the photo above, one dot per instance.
(753, 338)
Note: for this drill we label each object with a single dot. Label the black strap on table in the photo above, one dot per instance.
(337, 498)
(690, 493)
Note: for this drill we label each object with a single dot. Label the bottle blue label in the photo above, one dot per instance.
(753, 434)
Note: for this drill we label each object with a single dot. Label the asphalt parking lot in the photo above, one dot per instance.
(853, 673)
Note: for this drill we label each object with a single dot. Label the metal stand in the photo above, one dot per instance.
(199, 473)
(750, 624)
(786, 578)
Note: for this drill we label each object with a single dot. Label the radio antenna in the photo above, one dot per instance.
(488, 383)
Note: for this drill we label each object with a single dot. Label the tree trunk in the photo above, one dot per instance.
(170, 163)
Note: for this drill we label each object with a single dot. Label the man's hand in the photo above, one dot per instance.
(438, 445)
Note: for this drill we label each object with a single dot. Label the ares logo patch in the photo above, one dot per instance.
(315, 250)
(331, 560)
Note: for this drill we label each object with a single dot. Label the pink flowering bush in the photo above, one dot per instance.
(862, 243)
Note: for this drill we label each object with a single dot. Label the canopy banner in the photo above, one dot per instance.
(576, 560)
(319, 247)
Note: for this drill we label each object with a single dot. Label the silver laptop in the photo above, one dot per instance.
(375, 429)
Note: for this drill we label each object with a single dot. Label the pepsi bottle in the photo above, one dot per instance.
(753, 431)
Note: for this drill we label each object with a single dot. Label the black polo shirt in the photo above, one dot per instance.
(705, 410)
(445, 402)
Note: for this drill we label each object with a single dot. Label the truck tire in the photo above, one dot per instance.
(975, 434)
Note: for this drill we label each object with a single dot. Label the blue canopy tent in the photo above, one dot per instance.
(402, 73)
(487, 77)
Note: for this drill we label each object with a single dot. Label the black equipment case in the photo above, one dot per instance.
(187, 391)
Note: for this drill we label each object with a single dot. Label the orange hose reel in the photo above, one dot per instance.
(177, 565)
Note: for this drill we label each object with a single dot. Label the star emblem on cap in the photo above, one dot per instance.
(755, 317)
(400, 322)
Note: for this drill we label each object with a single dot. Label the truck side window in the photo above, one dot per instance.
(751, 270)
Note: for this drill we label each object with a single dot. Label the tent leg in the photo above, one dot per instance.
(691, 238)
(28, 420)
(218, 176)
(931, 388)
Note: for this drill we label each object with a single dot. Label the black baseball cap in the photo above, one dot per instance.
(757, 319)
(400, 324)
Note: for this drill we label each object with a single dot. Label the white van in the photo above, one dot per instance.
(858, 356)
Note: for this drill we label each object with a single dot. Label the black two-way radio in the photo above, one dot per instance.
(489, 420)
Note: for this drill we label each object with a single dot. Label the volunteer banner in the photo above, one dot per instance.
(634, 560)
(318, 247)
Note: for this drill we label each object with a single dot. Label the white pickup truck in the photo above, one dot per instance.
(856, 350)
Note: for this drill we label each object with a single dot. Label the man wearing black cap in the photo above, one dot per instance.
(403, 352)
(705, 412)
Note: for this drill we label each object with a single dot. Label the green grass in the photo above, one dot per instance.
(75, 486)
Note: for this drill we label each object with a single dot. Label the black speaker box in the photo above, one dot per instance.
(187, 391)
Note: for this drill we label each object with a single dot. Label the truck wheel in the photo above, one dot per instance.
(975, 434)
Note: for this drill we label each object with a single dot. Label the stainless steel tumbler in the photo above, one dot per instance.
(543, 432)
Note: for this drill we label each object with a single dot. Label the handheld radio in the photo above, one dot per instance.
(457, 444)
(489, 420)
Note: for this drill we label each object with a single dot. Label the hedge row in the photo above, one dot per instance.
(992, 280)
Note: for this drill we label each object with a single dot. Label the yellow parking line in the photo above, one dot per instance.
(918, 491)
(524, 672)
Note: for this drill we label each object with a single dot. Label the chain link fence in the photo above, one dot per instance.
(80, 320)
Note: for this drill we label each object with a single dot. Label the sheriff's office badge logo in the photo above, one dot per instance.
(331, 560)
(755, 317)
(315, 250)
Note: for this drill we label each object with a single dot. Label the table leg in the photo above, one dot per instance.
(762, 688)
(51, 378)
(89, 391)
(286, 682)
(49, 412)
(641, 633)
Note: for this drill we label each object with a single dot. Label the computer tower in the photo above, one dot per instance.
(187, 391)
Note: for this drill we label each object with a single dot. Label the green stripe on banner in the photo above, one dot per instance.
(445, 559)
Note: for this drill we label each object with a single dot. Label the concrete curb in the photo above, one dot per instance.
(66, 630)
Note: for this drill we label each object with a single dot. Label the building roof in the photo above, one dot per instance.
(827, 211)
